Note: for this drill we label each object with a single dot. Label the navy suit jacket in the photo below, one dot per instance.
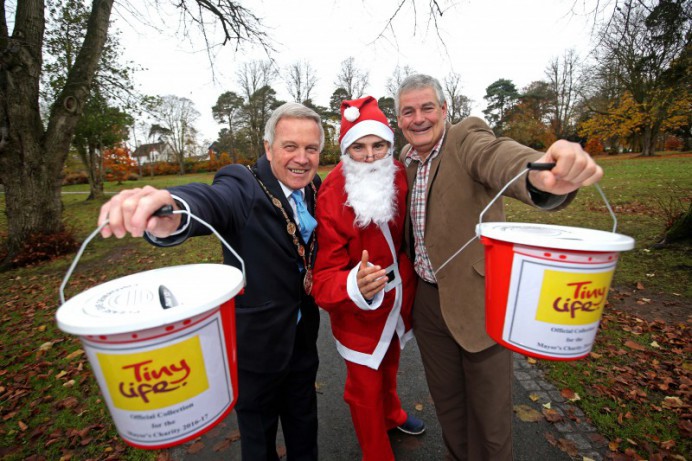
(267, 313)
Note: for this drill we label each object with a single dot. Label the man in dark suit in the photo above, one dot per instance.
(257, 210)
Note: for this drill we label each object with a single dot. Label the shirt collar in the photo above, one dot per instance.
(288, 191)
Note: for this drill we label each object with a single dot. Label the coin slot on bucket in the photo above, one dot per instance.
(166, 297)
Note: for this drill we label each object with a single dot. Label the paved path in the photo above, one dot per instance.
(337, 441)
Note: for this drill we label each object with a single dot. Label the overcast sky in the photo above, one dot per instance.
(485, 40)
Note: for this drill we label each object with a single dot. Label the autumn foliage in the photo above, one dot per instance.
(594, 146)
(42, 247)
(625, 119)
(118, 164)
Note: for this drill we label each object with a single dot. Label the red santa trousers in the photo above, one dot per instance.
(374, 403)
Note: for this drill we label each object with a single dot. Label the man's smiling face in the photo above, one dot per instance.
(295, 152)
(421, 118)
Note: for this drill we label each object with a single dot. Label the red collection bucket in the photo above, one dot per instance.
(546, 286)
(162, 347)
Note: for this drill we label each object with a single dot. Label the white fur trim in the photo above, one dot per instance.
(351, 113)
(355, 294)
(405, 338)
(365, 128)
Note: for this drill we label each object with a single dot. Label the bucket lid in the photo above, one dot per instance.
(558, 237)
(136, 302)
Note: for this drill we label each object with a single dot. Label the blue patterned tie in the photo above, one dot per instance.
(306, 221)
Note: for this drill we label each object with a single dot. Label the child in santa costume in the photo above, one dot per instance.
(362, 276)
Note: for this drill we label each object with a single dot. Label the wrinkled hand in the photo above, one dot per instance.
(131, 211)
(371, 279)
(573, 169)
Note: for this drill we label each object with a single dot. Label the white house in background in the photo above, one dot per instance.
(153, 153)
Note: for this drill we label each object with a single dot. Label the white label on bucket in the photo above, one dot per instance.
(555, 302)
(165, 389)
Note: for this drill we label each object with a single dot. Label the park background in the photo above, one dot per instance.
(67, 135)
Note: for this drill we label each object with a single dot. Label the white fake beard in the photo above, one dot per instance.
(370, 190)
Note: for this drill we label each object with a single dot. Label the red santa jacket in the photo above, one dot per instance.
(363, 331)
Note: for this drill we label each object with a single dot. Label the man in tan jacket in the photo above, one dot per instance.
(454, 171)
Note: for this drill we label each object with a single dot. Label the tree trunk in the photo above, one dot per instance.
(94, 166)
(647, 142)
(31, 159)
(681, 229)
(181, 163)
(648, 139)
(95, 171)
(32, 198)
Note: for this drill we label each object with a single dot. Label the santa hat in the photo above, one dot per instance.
(362, 117)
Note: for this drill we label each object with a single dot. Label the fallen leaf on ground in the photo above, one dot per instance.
(195, 448)
(69, 402)
(570, 395)
(527, 414)
(568, 447)
(222, 445)
(634, 345)
(75, 354)
(668, 444)
(672, 402)
(552, 415)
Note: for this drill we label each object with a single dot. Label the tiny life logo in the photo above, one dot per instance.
(569, 298)
(157, 378)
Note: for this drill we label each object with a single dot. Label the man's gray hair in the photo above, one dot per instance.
(419, 82)
(291, 110)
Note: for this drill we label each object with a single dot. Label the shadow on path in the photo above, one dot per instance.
(337, 440)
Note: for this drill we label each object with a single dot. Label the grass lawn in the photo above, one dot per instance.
(635, 386)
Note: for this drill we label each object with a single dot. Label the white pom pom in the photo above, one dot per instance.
(351, 114)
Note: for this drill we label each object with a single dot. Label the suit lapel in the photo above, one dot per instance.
(264, 172)
(434, 167)
(411, 171)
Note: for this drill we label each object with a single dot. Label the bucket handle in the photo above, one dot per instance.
(529, 166)
(163, 211)
(545, 167)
